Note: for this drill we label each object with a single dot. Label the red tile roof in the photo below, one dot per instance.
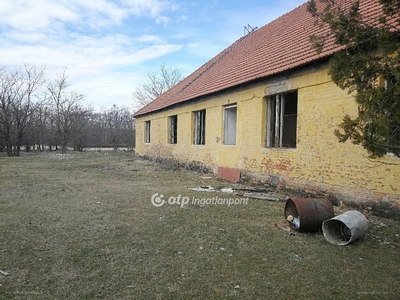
(280, 45)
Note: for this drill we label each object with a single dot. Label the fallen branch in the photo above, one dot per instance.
(4, 273)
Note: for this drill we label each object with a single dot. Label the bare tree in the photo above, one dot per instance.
(97, 130)
(18, 104)
(118, 127)
(113, 122)
(68, 115)
(128, 128)
(56, 117)
(41, 128)
(156, 84)
(81, 139)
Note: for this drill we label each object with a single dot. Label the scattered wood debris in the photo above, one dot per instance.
(253, 189)
(283, 228)
(287, 229)
(204, 189)
(260, 197)
(260, 193)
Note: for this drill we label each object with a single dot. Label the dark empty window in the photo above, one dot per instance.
(282, 120)
(173, 129)
(199, 127)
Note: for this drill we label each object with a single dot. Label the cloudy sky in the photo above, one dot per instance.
(109, 46)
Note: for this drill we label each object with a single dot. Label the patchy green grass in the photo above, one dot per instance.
(85, 228)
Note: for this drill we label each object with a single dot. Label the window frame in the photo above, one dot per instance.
(228, 140)
(276, 118)
(147, 132)
(173, 130)
(199, 127)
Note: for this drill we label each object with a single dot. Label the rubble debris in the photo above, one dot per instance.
(203, 189)
(60, 155)
(253, 190)
(260, 197)
(258, 193)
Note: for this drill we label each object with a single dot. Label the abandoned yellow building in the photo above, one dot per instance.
(266, 107)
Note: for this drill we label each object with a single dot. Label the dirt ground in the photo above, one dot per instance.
(109, 225)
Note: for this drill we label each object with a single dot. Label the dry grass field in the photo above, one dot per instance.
(84, 227)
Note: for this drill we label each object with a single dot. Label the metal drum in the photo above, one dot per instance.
(345, 228)
(310, 213)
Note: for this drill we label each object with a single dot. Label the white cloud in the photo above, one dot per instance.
(152, 8)
(162, 20)
(86, 52)
(97, 65)
(149, 39)
(24, 37)
(194, 45)
(42, 14)
(30, 15)
(79, 35)
(106, 90)
(109, 9)
(107, 45)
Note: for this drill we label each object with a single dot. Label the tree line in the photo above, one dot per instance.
(45, 115)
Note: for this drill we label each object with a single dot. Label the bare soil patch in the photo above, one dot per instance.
(85, 228)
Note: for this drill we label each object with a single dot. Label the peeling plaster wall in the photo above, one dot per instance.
(319, 165)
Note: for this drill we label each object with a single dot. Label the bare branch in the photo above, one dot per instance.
(156, 85)
(18, 104)
(68, 115)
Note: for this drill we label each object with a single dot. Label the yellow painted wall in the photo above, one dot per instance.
(319, 165)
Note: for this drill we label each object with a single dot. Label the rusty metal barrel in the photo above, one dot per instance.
(310, 212)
